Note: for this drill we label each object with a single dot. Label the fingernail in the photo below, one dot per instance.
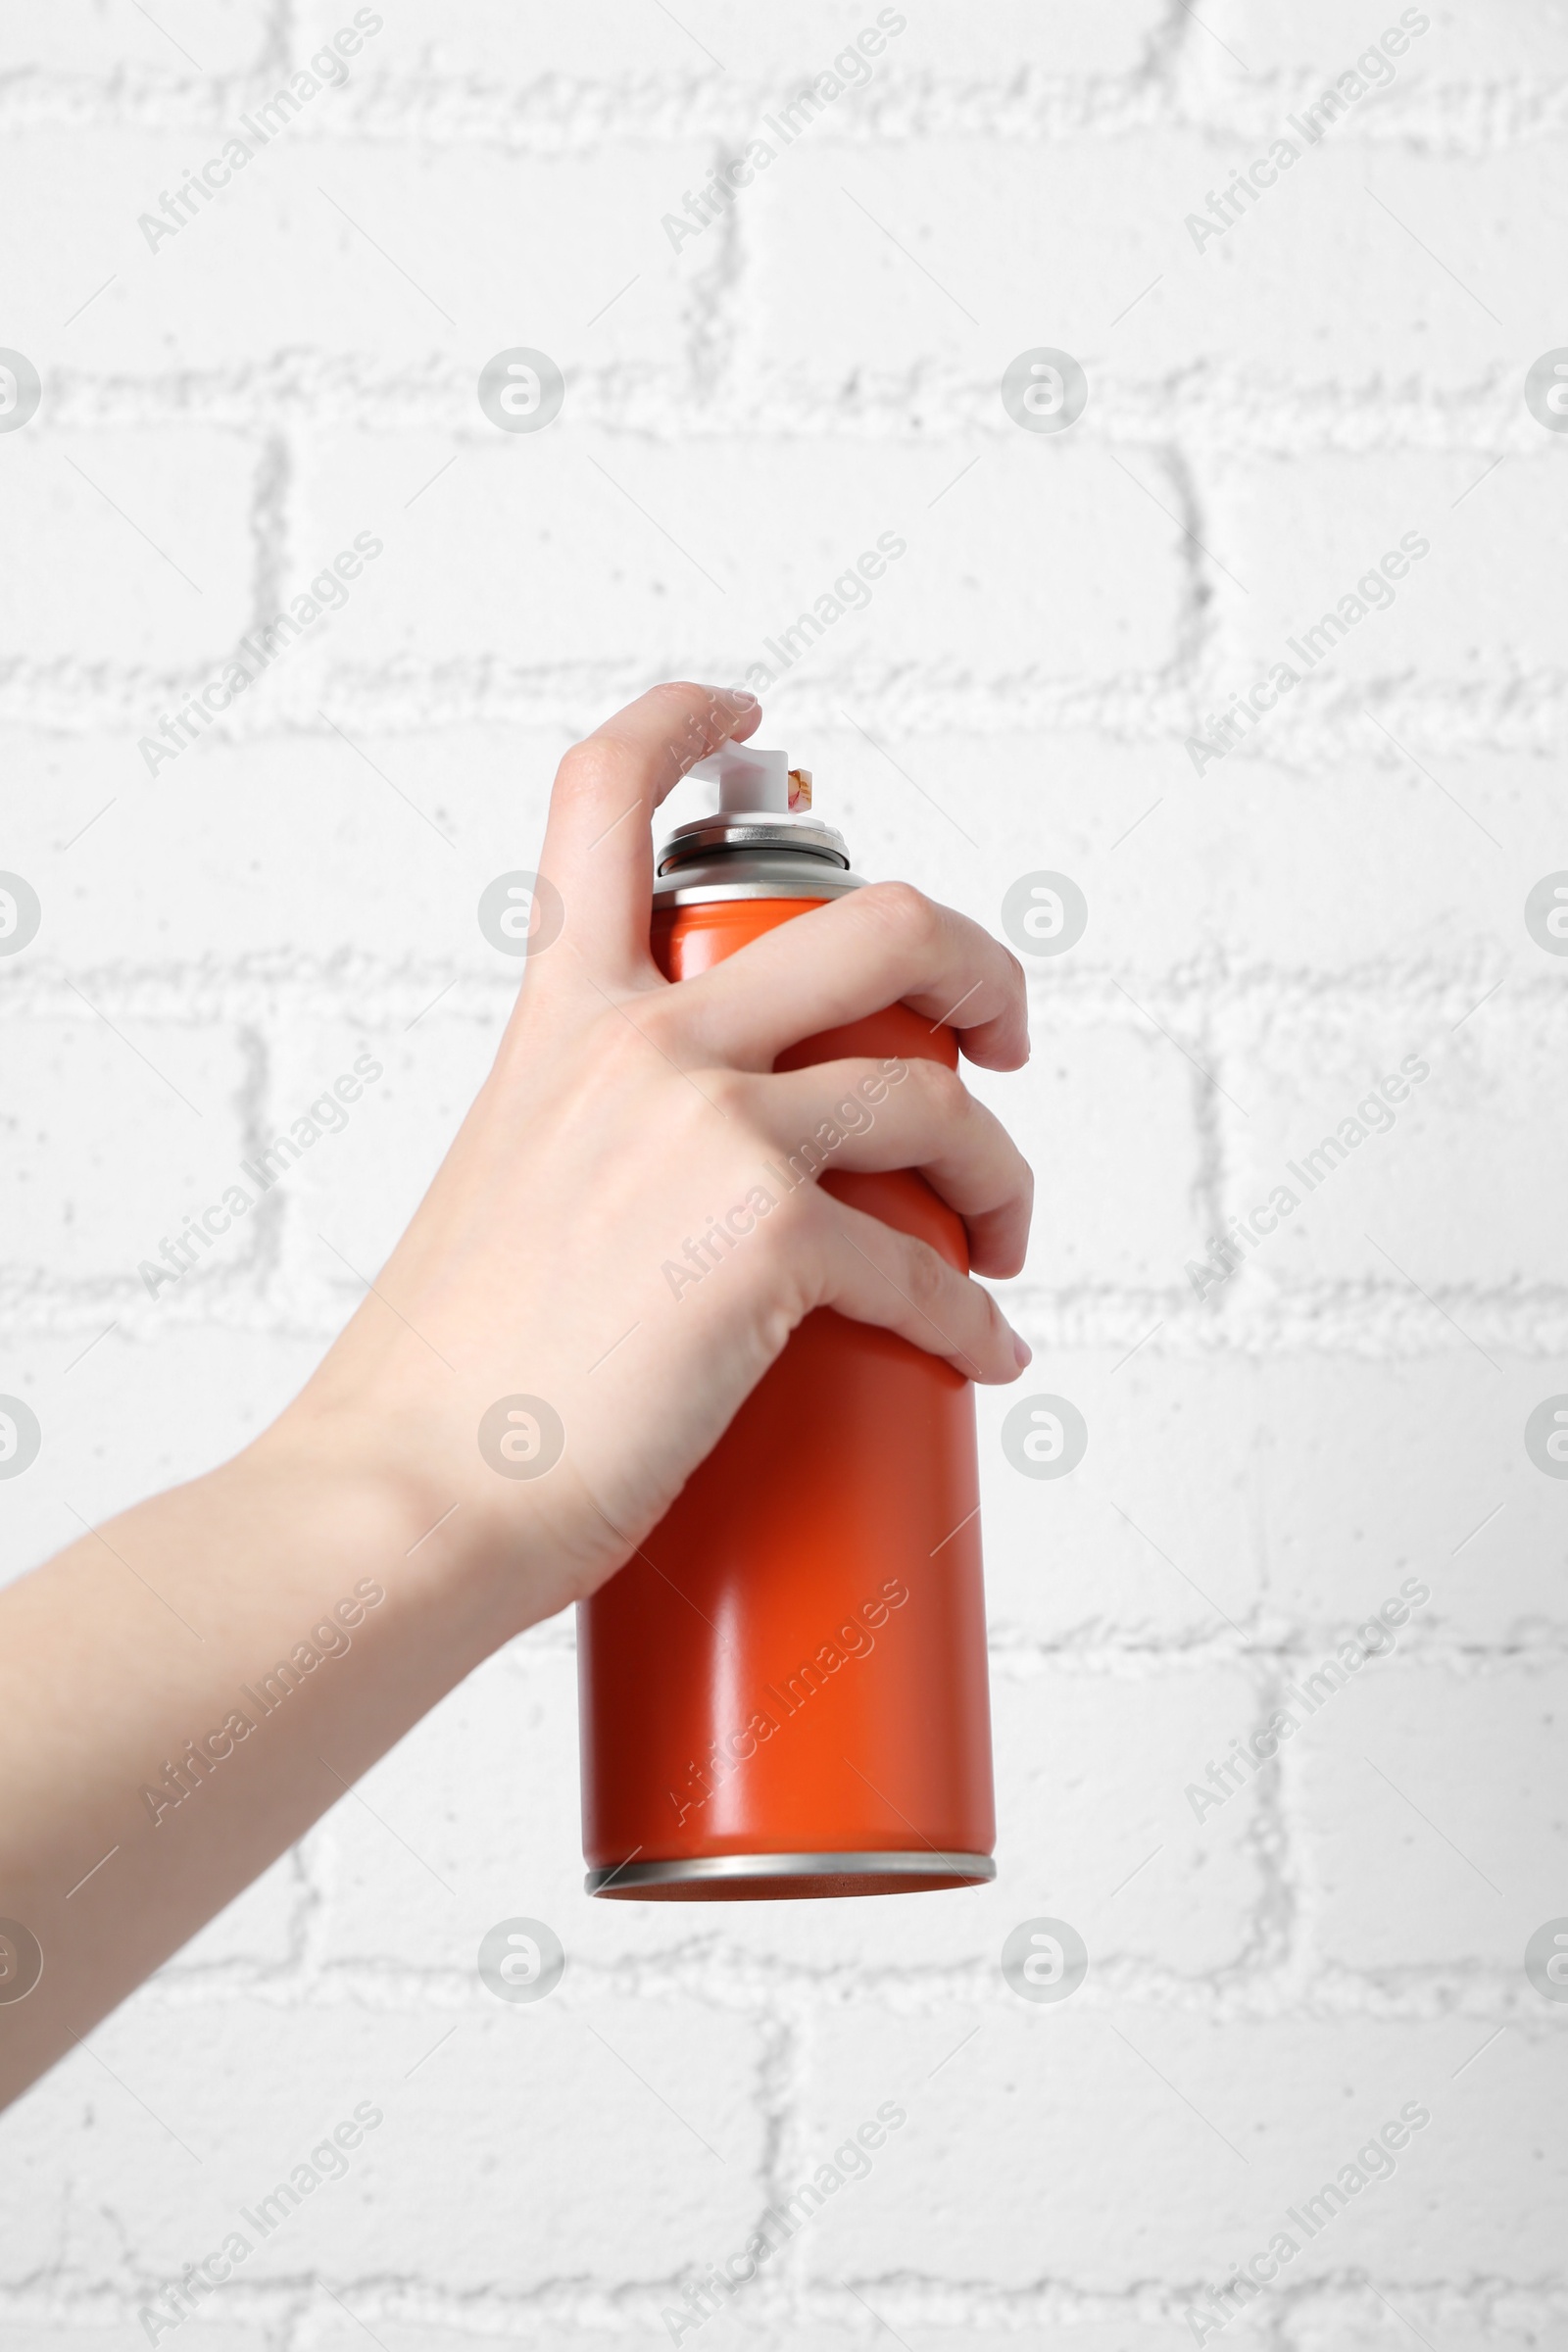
(1023, 1354)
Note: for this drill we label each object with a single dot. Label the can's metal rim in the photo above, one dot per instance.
(699, 1868)
(703, 894)
(725, 834)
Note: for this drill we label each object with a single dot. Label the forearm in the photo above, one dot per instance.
(185, 1691)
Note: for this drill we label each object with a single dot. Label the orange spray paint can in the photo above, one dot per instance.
(784, 1692)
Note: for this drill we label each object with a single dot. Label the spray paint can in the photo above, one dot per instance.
(784, 1692)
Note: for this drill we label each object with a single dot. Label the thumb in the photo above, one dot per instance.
(597, 851)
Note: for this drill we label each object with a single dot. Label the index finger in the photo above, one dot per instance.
(887, 944)
(598, 849)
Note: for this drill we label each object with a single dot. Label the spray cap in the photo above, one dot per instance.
(754, 783)
(750, 780)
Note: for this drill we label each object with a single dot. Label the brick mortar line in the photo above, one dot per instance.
(1304, 1989)
(1303, 1645)
(557, 117)
(1380, 1328)
(209, 993)
(1536, 1644)
(1499, 717)
(606, 2303)
(1221, 411)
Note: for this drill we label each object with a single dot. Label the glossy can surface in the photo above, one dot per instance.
(786, 1693)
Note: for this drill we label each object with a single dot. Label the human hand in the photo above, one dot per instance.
(177, 1688)
(620, 1115)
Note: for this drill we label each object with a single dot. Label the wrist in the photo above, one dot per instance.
(371, 1507)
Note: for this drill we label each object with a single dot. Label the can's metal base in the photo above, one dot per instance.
(779, 1877)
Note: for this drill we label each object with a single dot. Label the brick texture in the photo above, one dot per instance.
(1280, 1440)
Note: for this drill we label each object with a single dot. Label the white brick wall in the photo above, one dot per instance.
(1269, 1983)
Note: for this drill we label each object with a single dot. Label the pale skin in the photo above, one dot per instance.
(622, 1115)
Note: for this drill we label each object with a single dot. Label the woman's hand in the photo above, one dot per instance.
(183, 1691)
(622, 1115)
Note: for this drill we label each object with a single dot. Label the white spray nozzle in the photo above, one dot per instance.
(751, 781)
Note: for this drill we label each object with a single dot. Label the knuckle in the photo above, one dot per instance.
(578, 763)
(945, 1091)
(907, 913)
(680, 705)
(658, 1014)
(640, 1044)
(621, 1058)
(927, 1272)
(596, 764)
(801, 1223)
(733, 1093)
(795, 1249)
